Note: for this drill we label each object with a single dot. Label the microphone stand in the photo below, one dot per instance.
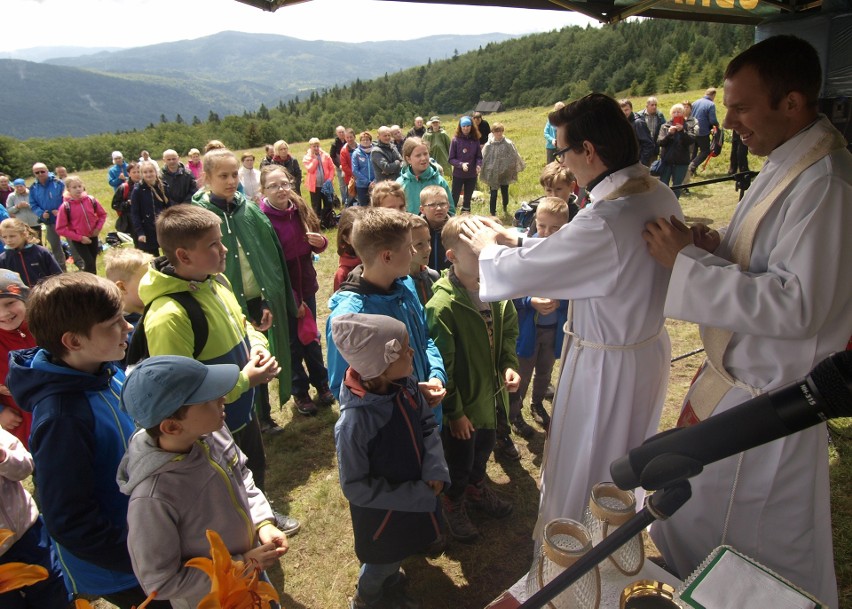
(660, 506)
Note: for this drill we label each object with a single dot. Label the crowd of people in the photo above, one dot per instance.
(440, 323)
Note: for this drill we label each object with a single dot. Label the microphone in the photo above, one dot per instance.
(678, 454)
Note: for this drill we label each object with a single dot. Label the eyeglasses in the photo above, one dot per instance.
(281, 186)
(561, 152)
(439, 205)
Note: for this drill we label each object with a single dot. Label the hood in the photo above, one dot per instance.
(144, 459)
(353, 395)
(161, 280)
(35, 376)
(354, 282)
(207, 199)
(274, 212)
(429, 174)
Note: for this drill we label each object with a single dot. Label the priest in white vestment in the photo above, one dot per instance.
(773, 297)
(613, 382)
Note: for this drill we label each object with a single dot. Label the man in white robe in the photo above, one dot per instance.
(783, 312)
(615, 371)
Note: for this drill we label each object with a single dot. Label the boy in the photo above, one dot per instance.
(79, 433)
(125, 267)
(382, 239)
(540, 322)
(422, 276)
(477, 342)
(559, 182)
(435, 208)
(389, 453)
(194, 260)
(173, 472)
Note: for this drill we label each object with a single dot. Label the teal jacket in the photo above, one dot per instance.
(413, 185)
(474, 372)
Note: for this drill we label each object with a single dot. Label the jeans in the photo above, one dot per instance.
(372, 577)
(55, 244)
(467, 459)
(674, 174)
(34, 548)
(541, 361)
(469, 184)
(310, 354)
(341, 182)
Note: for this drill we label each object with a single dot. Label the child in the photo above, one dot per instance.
(297, 227)
(435, 207)
(500, 166)
(18, 206)
(388, 193)
(422, 276)
(382, 238)
(419, 172)
(389, 455)
(348, 259)
(466, 159)
(30, 543)
(477, 342)
(121, 200)
(14, 334)
(255, 264)
(148, 199)
(184, 475)
(29, 260)
(125, 267)
(79, 433)
(540, 322)
(80, 219)
(559, 181)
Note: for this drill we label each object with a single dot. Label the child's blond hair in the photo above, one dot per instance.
(451, 233)
(73, 180)
(555, 172)
(552, 205)
(430, 192)
(418, 222)
(384, 190)
(122, 263)
(378, 229)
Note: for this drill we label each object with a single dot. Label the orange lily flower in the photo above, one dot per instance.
(233, 584)
(16, 575)
(81, 603)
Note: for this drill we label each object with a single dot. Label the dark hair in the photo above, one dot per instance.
(344, 230)
(474, 131)
(597, 118)
(181, 226)
(784, 64)
(51, 301)
(179, 414)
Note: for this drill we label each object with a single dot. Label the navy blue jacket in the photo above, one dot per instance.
(32, 263)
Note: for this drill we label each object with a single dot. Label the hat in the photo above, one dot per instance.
(370, 343)
(465, 121)
(18, 182)
(11, 285)
(435, 119)
(160, 385)
(116, 154)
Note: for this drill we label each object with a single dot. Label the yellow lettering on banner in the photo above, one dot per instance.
(748, 4)
(726, 4)
(721, 4)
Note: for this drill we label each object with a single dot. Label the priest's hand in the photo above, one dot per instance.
(665, 239)
(480, 232)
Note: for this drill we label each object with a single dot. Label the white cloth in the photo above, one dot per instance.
(600, 261)
(792, 309)
(250, 179)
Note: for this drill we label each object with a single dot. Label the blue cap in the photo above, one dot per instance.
(18, 182)
(160, 385)
(465, 121)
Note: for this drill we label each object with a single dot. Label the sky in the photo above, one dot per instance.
(134, 23)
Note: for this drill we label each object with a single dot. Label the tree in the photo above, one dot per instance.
(195, 121)
(678, 74)
(179, 119)
(163, 119)
(213, 118)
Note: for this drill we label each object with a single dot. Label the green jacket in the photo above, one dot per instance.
(474, 373)
(439, 148)
(246, 228)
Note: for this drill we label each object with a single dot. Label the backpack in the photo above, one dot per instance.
(67, 208)
(525, 215)
(137, 350)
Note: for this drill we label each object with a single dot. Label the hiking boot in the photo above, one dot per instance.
(286, 524)
(305, 405)
(458, 523)
(540, 415)
(483, 498)
(324, 395)
(507, 448)
(521, 427)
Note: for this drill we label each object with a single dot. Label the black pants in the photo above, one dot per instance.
(86, 255)
(469, 184)
(310, 354)
(739, 155)
(466, 459)
(492, 204)
(261, 392)
(702, 151)
(321, 205)
(250, 441)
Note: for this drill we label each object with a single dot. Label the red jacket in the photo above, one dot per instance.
(12, 340)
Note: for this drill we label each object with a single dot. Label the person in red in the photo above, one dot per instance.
(14, 334)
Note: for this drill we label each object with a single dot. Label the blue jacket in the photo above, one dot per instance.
(46, 197)
(78, 438)
(362, 168)
(527, 318)
(704, 111)
(32, 263)
(114, 180)
(401, 302)
(549, 136)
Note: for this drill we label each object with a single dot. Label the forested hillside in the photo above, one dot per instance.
(637, 58)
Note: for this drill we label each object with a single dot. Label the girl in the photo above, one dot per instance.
(388, 194)
(362, 168)
(466, 159)
(320, 170)
(14, 335)
(29, 260)
(420, 171)
(121, 199)
(500, 166)
(348, 258)
(297, 227)
(80, 219)
(194, 164)
(282, 157)
(150, 196)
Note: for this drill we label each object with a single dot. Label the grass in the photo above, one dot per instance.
(320, 569)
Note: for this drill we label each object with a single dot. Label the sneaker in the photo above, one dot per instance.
(483, 498)
(521, 427)
(458, 523)
(270, 427)
(324, 396)
(305, 405)
(540, 415)
(507, 448)
(286, 524)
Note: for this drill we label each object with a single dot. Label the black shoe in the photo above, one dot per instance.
(507, 448)
(271, 427)
(540, 415)
(551, 391)
(286, 524)
(521, 427)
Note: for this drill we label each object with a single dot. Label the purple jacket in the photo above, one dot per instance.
(297, 251)
(465, 150)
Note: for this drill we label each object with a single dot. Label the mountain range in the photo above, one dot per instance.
(226, 73)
